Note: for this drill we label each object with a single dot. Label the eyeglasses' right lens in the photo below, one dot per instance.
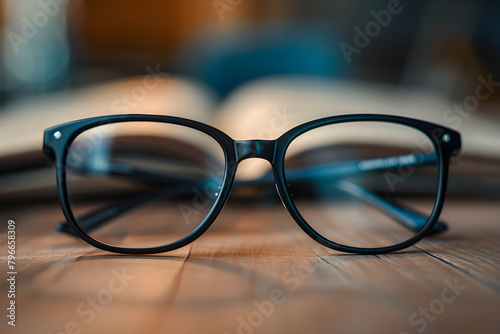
(143, 184)
(363, 184)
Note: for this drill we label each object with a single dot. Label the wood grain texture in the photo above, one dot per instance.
(255, 271)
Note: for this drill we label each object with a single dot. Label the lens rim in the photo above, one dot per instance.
(443, 146)
(57, 139)
(70, 131)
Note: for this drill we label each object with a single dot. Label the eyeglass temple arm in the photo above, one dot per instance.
(403, 215)
(104, 214)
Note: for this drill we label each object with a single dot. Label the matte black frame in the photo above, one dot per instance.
(447, 142)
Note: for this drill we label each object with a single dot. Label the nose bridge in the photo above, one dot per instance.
(263, 149)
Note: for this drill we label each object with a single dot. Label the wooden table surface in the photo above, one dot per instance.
(255, 271)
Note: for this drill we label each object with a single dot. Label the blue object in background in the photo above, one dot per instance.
(225, 59)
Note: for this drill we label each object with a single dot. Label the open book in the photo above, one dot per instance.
(263, 110)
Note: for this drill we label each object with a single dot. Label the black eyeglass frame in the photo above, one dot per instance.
(58, 139)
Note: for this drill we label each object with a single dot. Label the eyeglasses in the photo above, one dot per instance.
(143, 184)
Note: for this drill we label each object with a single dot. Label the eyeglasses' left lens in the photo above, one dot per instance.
(364, 184)
(143, 184)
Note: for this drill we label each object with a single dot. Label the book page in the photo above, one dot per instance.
(22, 124)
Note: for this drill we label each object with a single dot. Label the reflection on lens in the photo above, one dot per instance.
(143, 184)
(363, 184)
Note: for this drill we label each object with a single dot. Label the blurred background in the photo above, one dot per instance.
(253, 68)
(62, 60)
(443, 46)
